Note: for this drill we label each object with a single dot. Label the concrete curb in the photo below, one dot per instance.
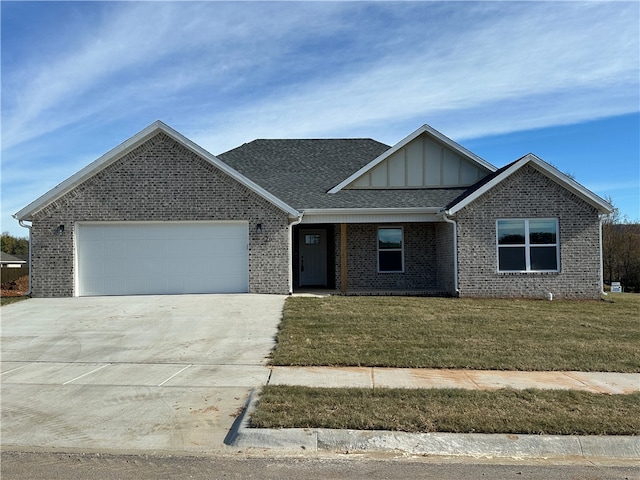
(437, 444)
(442, 444)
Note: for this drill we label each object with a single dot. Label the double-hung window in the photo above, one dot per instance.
(528, 245)
(390, 250)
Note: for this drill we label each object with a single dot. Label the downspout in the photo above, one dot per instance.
(445, 217)
(602, 292)
(291, 240)
(28, 227)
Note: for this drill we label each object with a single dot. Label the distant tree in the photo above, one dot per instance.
(571, 175)
(621, 250)
(14, 245)
(610, 240)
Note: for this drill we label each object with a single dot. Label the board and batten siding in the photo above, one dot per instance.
(422, 163)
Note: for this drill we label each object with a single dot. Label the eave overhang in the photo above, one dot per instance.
(545, 168)
(135, 141)
(372, 215)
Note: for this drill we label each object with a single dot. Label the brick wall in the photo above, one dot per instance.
(529, 194)
(419, 258)
(159, 181)
(445, 261)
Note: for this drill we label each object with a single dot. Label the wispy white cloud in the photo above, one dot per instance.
(226, 73)
(140, 51)
(531, 68)
(435, 66)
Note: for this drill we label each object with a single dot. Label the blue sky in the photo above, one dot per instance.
(559, 79)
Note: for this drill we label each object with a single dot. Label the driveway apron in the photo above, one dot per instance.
(139, 373)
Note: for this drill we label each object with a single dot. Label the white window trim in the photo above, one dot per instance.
(401, 250)
(527, 247)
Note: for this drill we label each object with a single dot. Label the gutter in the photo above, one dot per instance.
(445, 217)
(291, 240)
(28, 227)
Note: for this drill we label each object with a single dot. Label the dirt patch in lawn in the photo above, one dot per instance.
(15, 288)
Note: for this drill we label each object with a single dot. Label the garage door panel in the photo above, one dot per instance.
(167, 258)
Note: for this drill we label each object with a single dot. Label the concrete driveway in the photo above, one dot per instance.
(144, 373)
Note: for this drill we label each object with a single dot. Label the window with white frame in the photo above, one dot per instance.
(390, 249)
(528, 245)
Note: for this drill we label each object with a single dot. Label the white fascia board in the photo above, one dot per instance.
(372, 215)
(459, 148)
(547, 169)
(587, 195)
(332, 212)
(230, 171)
(402, 143)
(86, 172)
(125, 147)
(369, 211)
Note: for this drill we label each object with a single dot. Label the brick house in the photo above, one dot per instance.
(161, 215)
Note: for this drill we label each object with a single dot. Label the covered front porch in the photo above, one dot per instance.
(386, 258)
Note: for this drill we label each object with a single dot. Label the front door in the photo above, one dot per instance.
(313, 257)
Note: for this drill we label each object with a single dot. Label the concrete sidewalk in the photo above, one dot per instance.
(374, 377)
(613, 448)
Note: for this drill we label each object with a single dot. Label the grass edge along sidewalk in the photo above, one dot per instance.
(477, 334)
(507, 411)
(457, 333)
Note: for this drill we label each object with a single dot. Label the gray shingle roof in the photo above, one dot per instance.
(6, 258)
(300, 172)
(476, 186)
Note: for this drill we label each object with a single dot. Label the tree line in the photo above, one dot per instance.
(16, 246)
(621, 251)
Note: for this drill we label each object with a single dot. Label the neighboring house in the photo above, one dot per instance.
(12, 267)
(160, 215)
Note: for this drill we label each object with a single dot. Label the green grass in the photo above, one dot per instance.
(483, 334)
(9, 300)
(554, 412)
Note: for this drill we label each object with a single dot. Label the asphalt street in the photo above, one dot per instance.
(58, 466)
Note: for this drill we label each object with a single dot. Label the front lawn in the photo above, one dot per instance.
(484, 334)
(552, 412)
(10, 300)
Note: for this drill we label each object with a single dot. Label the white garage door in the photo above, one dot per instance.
(162, 258)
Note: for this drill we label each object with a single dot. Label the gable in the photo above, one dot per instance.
(424, 159)
(422, 163)
(562, 181)
(158, 180)
(135, 142)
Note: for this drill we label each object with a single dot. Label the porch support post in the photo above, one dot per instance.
(343, 258)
